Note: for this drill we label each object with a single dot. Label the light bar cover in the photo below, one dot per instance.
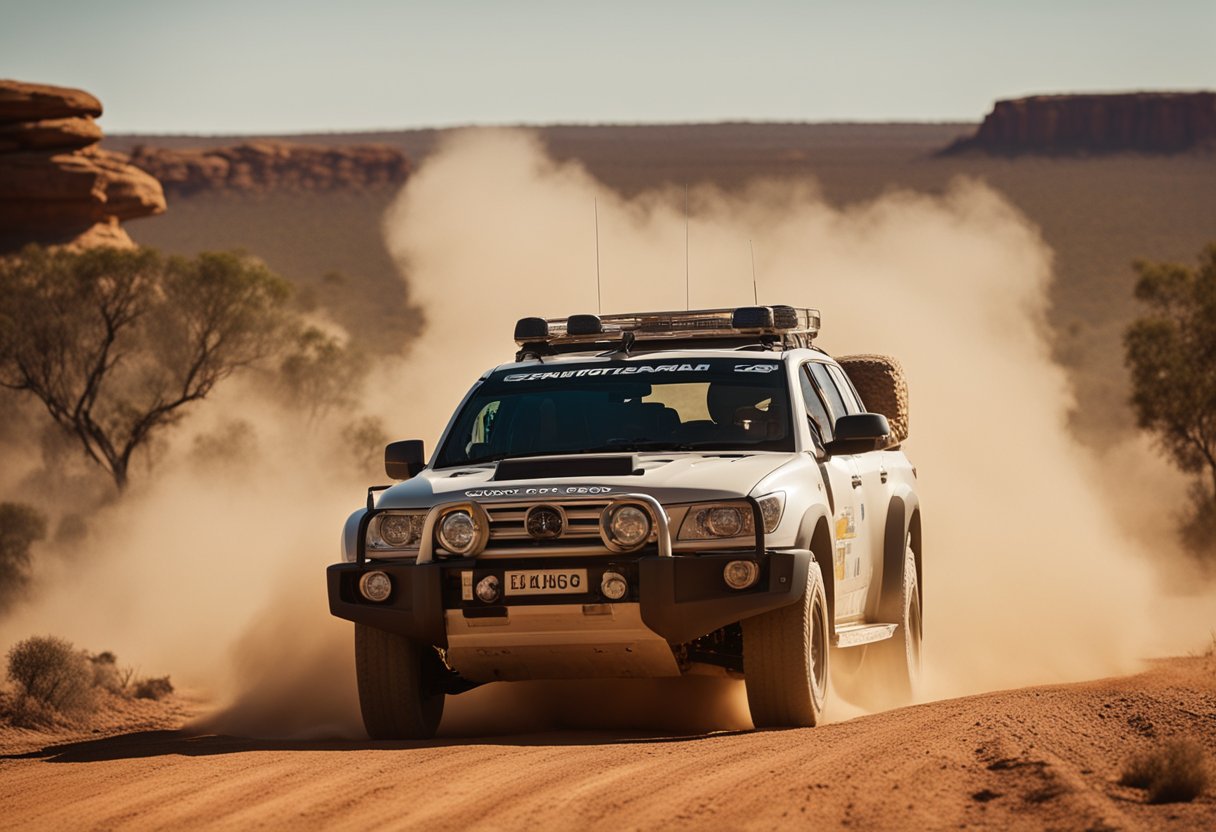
(774, 321)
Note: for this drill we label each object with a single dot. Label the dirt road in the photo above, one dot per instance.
(1034, 758)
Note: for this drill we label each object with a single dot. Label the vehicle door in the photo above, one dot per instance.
(875, 484)
(824, 406)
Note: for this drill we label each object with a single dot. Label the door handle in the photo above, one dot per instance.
(882, 475)
(856, 481)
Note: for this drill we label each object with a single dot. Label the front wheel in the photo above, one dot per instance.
(396, 685)
(785, 660)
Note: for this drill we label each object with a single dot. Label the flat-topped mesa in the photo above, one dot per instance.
(56, 185)
(266, 166)
(1141, 122)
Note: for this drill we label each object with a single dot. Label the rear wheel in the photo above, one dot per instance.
(785, 660)
(891, 668)
(396, 679)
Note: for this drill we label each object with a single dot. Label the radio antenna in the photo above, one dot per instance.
(687, 291)
(755, 291)
(599, 297)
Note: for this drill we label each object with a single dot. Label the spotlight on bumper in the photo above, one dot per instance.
(488, 589)
(740, 574)
(614, 586)
(375, 586)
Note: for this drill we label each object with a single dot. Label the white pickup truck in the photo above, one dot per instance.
(645, 495)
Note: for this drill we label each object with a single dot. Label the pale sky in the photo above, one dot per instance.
(227, 66)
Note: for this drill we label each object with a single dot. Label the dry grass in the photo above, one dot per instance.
(1176, 771)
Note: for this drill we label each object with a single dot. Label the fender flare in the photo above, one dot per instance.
(350, 535)
(903, 519)
(815, 535)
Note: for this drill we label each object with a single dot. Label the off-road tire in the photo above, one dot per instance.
(395, 680)
(883, 387)
(785, 660)
(891, 668)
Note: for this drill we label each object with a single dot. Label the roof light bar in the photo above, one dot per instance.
(745, 321)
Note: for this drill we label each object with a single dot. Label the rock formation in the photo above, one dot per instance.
(1144, 122)
(56, 185)
(265, 166)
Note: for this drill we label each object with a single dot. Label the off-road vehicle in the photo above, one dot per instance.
(645, 495)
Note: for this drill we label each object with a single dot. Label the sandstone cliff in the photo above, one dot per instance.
(265, 166)
(1146, 122)
(56, 185)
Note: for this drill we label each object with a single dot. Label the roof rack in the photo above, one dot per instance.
(787, 325)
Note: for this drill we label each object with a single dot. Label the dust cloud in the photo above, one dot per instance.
(1029, 576)
(214, 572)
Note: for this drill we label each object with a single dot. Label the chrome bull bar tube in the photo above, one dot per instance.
(426, 546)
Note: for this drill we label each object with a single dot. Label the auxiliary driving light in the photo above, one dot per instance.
(614, 586)
(375, 586)
(458, 532)
(740, 574)
(487, 589)
(626, 527)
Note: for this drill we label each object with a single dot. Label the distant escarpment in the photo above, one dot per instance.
(56, 185)
(1144, 122)
(265, 167)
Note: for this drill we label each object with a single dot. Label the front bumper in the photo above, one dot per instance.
(680, 597)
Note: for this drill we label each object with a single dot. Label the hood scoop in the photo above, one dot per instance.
(552, 467)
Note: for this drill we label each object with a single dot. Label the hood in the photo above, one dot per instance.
(668, 477)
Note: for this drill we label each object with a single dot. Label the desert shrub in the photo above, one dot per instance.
(107, 675)
(53, 674)
(20, 527)
(1174, 772)
(153, 688)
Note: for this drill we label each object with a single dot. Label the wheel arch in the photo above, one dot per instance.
(815, 535)
(903, 522)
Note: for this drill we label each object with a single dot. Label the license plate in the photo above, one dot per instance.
(545, 581)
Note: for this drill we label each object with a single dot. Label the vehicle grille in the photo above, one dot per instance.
(582, 529)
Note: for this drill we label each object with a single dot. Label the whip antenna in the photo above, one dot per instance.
(599, 298)
(687, 302)
(755, 291)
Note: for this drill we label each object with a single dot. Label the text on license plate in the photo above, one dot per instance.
(545, 581)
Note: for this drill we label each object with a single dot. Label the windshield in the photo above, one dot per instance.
(705, 404)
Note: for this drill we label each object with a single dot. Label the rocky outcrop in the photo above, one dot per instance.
(56, 185)
(1146, 122)
(262, 167)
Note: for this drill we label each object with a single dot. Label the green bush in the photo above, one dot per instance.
(1174, 772)
(53, 674)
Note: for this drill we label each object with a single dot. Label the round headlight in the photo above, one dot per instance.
(725, 521)
(458, 532)
(628, 526)
(397, 529)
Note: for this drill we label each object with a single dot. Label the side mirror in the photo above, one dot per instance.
(403, 460)
(858, 433)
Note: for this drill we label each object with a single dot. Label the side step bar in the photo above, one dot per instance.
(855, 635)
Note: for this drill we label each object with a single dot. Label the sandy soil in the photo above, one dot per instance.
(1035, 758)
